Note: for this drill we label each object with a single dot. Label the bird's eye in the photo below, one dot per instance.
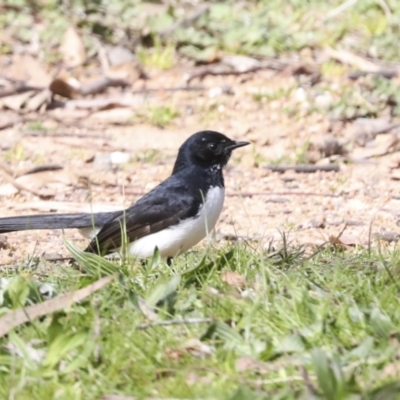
(211, 146)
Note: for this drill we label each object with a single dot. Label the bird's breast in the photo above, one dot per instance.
(210, 210)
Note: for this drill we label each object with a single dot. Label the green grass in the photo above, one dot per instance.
(16, 153)
(335, 315)
(260, 28)
(160, 116)
(268, 95)
(36, 125)
(159, 57)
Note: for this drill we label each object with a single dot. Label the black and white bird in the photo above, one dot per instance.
(174, 216)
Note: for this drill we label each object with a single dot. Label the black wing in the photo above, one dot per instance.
(162, 207)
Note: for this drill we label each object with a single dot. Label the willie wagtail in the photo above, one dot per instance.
(174, 216)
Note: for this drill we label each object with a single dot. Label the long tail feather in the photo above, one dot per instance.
(55, 221)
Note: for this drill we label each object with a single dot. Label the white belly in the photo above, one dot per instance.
(89, 233)
(179, 238)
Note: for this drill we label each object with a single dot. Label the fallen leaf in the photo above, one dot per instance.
(7, 189)
(197, 348)
(45, 177)
(247, 364)
(22, 315)
(42, 183)
(173, 354)
(63, 88)
(194, 347)
(233, 278)
(72, 48)
(383, 145)
(391, 370)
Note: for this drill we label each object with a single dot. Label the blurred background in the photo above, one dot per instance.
(96, 97)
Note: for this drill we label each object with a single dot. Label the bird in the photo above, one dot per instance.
(173, 217)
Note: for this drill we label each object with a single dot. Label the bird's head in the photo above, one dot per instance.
(206, 149)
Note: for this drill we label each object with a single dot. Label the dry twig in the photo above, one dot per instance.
(19, 186)
(18, 90)
(305, 168)
(364, 65)
(338, 10)
(66, 134)
(309, 386)
(100, 85)
(188, 321)
(22, 315)
(171, 89)
(276, 65)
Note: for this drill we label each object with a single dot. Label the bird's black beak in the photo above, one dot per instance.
(236, 145)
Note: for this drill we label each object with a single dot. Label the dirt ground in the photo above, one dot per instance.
(312, 208)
